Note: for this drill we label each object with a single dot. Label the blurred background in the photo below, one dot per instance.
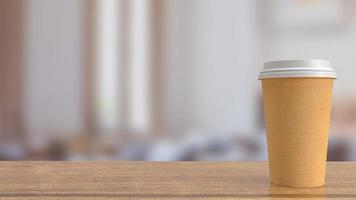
(161, 79)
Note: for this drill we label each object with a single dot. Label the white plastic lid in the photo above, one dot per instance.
(297, 68)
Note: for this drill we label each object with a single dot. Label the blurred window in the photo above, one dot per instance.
(122, 72)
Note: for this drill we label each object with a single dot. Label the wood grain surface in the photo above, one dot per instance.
(162, 180)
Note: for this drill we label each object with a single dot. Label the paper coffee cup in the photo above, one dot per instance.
(297, 104)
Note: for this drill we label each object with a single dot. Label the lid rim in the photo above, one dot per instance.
(289, 68)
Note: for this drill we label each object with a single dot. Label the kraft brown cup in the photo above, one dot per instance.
(297, 116)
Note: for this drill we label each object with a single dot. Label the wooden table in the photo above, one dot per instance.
(162, 180)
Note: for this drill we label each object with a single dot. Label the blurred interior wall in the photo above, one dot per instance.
(211, 70)
(224, 83)
(11, 70)
(158, 49)
(54, 69)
